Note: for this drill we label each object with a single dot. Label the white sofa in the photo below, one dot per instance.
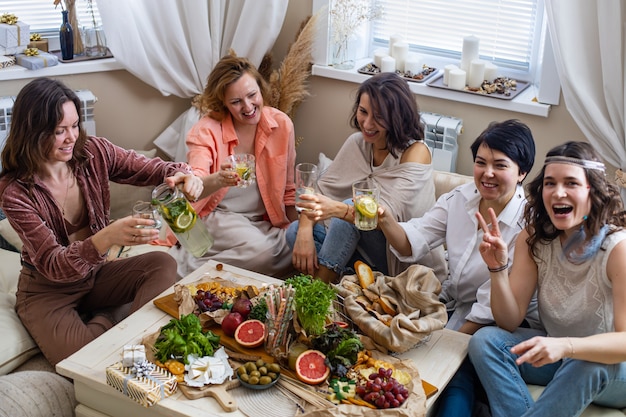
(28, 385)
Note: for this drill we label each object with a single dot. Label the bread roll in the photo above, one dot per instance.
(387, 306)
(353, 287)
(365, 274)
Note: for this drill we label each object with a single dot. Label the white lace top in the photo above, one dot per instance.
(575, 300)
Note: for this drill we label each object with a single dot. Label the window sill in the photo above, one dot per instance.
(524, 102)
(16, 72)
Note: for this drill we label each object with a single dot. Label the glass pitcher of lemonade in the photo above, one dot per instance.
(182, 219)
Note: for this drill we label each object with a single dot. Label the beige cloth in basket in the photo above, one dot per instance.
(415, 293)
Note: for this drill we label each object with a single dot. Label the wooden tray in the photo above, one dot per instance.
(169, 305)
(79, 58)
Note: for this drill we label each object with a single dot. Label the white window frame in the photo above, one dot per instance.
(44, 18)
(535, 100)
(17, 72)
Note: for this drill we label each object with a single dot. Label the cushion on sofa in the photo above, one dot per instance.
(9, 239)
(17, 346)
(36, 394)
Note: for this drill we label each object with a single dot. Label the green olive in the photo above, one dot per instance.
(241, 370)
(263, 370)
(264, 380)
(253, 380)
(255, 373)
(244, 377)
(250, 366)
(272, 375)
(260, 362)
(274, 367)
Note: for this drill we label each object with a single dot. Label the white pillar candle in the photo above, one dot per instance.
(446, 72)
(469, 52)
(388, 64)
(456, 79)
(379, 54)
(392, 40)
(476, 73)
(400, 52)
(413, 64)
(491, 71)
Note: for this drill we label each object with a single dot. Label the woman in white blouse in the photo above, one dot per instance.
(503, 155)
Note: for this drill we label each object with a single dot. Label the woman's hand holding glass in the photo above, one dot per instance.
(227, 176)
(319, 207)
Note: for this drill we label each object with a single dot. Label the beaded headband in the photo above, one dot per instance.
(585, 163)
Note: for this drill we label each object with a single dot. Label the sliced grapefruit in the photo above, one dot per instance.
(250, 333)
(311, 367)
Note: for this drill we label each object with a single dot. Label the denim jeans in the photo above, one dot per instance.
(459, 397)
(343, 244)
(571, 385)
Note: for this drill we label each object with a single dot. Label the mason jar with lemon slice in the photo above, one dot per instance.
(365, 194)
(182, 219)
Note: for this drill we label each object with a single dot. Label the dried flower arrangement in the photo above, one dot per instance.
(346, 17)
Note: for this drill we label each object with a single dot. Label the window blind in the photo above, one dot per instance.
(42, 16)
(509, 30)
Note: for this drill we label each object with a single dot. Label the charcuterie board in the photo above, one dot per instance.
(168, 304)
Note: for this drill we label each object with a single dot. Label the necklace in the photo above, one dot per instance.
(69, 184)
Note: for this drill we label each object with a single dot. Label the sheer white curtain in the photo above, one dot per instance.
(173, 45)
(588, 37)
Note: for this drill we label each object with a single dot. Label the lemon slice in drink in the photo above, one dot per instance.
(184, 221)
(367, 206)
(243, 171)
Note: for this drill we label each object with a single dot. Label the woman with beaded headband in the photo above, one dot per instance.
(573, 253)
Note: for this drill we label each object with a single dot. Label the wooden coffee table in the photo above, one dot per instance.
(437, 360)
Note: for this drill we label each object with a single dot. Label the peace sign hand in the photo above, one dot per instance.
(493, 248)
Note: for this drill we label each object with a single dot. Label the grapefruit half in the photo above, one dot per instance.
(311, 367)
(250, 333)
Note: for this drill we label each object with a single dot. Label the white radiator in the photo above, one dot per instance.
(442, 137)
(87, 106)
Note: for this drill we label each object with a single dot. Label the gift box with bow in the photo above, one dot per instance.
(14, 35)
(38, 61)
(145, 383)
(132, 354)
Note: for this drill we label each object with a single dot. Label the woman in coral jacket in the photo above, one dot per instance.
(248, 224)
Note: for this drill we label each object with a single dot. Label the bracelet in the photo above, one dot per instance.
(499, 268)
(571, 347)
(346, 213)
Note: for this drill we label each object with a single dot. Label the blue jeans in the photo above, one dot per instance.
(459, 397)
(571, 385)
(343, 244)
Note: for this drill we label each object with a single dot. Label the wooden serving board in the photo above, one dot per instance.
(219, 392)
(169, 305)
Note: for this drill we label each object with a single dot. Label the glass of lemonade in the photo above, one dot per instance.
(244, 165)
(365, 194)
(145, 210)
(306, 181)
